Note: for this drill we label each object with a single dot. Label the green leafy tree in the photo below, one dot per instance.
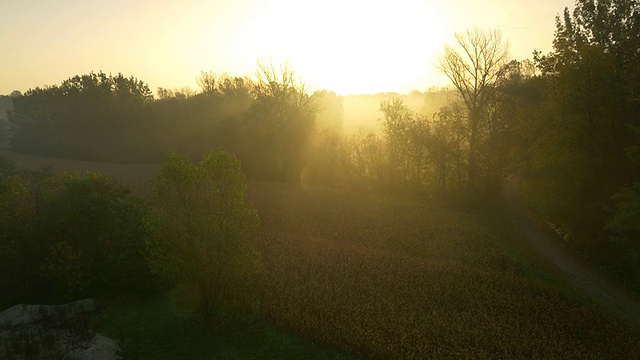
(69, 235)
(94, 228)
(21, 250)
(623, 223)
(578, 138)
(205, 230)
(93, 116)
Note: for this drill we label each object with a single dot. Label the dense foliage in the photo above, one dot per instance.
(266, 122)
(93, 116)
(205, 232)
(97, 235)
(577, 130)
(68, 235)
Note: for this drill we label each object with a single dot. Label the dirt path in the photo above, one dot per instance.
(612, 297)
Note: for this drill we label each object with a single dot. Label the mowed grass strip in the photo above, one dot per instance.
(385, 278)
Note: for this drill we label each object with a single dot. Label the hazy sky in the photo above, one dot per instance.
(343, 45)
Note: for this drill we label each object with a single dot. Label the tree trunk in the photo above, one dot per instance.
(472, 176)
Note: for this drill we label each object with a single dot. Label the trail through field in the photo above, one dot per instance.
(612, 297)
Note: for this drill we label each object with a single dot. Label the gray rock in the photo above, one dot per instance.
(100, 348)
(53, 332)
(22, 314)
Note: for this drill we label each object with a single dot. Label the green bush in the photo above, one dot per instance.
(96, 233)
(20, 250)
(69, 235)
(624, 227)
(205, 232)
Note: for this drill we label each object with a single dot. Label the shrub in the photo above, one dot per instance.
(20, 252)
(205, 230)
(95, 231)
(624, 227)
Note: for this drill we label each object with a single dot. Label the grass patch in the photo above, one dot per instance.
(159, 327)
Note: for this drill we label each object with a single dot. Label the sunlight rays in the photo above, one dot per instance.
(348, 47)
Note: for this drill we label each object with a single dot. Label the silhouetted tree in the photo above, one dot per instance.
(281, 121)
(474, 65)
(207, 82)
(407, 137)
(574, 126)
(5, 104)
(447, 145)
(163, 93)
(93, 116)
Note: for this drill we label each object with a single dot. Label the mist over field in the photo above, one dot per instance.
(393, 181)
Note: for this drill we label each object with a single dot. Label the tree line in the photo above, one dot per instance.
(568, 122)
(265, 121)
(577, 126)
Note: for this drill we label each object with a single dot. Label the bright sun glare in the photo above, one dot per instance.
(347, 46)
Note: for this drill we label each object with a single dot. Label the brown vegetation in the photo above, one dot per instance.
(386, 278)
(392, 279)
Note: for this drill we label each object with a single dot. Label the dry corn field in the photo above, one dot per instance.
(393, 279)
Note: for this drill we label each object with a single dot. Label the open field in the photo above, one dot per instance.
(387, 278)
(393, 279)
(135, 176)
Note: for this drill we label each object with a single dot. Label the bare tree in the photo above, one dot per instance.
(475, 64)
(207, 82)
(282, 86)
(287, 114)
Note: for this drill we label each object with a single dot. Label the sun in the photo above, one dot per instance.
(349, 46)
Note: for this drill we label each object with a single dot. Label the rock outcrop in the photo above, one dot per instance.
(53, 332)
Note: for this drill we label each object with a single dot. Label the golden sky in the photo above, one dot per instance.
(347, 46)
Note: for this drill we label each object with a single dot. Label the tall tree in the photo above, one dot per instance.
(206, 231)
(475, 64)
(407, 135)
(575, 122)
(92, 116)
(207, 82)
(283, 117)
